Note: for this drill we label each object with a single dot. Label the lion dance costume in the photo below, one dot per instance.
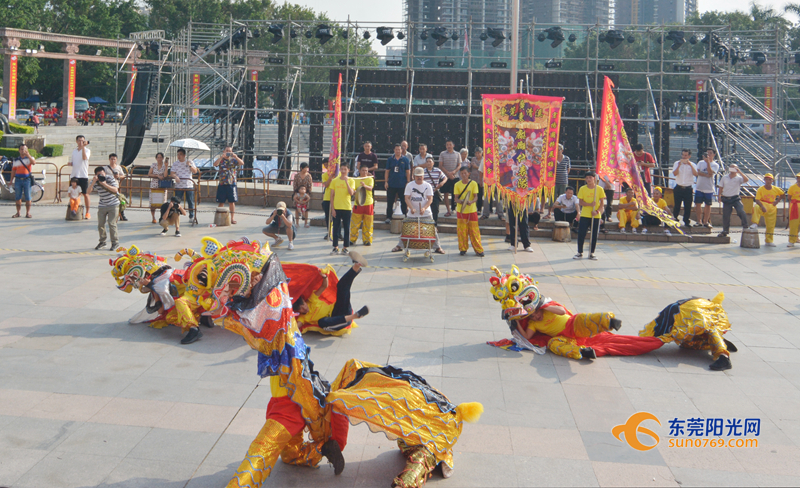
(694, 323)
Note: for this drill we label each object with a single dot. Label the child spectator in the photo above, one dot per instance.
(74, 197)
(301, 199)
(466, 194)
(628, 211)
(363, 215)
(662, 204)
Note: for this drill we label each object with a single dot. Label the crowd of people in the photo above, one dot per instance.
(418, 185)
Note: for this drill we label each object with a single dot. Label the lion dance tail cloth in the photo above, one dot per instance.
(396, 402)
(694, 323)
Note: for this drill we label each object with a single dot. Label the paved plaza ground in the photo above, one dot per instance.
(88, 400)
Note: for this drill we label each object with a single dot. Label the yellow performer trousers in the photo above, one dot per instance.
(468, 230)
(770, 217)
(794, 226)
(364, 223)
(261, 456)
(626, 216)
(583, 325)
(184, 314)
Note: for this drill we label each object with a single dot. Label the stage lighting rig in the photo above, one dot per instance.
(484, 36)
(613, 37)
(554, 34)
(293, 34)
(572, 38)
(277, 32)
(552, 64)
(440, 34)
(344, 33)
(324, 33)
(759, 57)
(693, 40)
(454, 36)
(496, 34)
(401, 36)
(309, 34)
(366, 35)
(424, 35)
(498, 64)
(677, 38)
(385, 35)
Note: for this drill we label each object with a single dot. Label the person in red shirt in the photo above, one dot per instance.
(102, 117)
(22, 179)
(644, 161)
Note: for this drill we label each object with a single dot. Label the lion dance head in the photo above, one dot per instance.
(132, 265)
(516, 292)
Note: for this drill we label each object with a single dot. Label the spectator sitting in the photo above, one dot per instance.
(662, 204)
(280, 221)
(628, 211)
(171, 215)
(301, 201)
(565, 207)
(74, 192)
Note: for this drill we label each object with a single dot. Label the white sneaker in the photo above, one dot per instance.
(278, 242)
(770, 244)
(791, 244)
(633, 230)
(667, 232)
(754, 226)
(644, 231)
(528, 249)
(511, 248)
(622, 230)
(291, 245)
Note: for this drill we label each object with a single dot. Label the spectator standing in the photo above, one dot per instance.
(476, 174)
(562, 171)
(422, 157)
(80, 168)
(608, 189)
(281, 221)
(159, 172)
(419, 197)
(102, 117)
(404, 151)
(645, 161)
(566, 207)
(107, 207)
(520, 220)
(730, 185)
(464, 155)
(228, 164)
(658, 199)
(704, 189)
(466, 192)
(591, 203)
(183, 169)
(367, 158)
(449, 162)
(628, 212)
(22, 179)
(35, 121)
(362, 218)
(342, 190)
(793, 196)
(397, 175)
(119, 174)
(437, 179)
(767, 198)
(171, 215)
(303, 179)
(684, 171)
(326, 198)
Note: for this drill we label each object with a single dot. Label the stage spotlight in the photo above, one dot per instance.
(796, 58)
(693, 40)
(497, 35)
(614, 38)
(424, 35)
(555, 34)
(366, 34)
(552, 64)
(631, 39)
(601, 37)
(277, 32)
(238, 38)
(677, 39)
(309, 34)
(195, 46)
(154, 47)
(345, 34)
(401, 36)
(454, 36)
(385, 35)
(541, 37)
(759, 57)
(324, 33)
(484, 36)
(572, 38)
(256, 33)
(440, 34)
(293, 34)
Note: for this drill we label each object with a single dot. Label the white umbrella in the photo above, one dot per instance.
(190, 144)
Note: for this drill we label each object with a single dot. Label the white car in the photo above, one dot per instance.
(23, 114)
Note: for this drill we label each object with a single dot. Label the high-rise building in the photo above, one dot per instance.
(566, 11)
(456, 16)
(654, 11)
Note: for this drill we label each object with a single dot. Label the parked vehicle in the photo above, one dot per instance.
(23, 114)
(81, 105)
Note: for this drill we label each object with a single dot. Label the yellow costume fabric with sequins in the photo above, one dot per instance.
(693, 324)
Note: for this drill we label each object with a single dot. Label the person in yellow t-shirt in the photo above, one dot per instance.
(652, 220)
(794, 211)
(767, 198)
(326, 197)
(342, 190)
(465, 193)
(363, 214)
(590, 198)
(331, 317)
(628, 211)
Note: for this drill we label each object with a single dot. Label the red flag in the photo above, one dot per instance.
(336, 140)
(615, 157)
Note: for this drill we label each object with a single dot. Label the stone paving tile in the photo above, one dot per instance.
(69, 470)
(620, 474)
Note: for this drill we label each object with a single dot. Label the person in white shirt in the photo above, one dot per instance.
(566, 207)
(183, 169)
(419, 197)
(704, 190)
(684, 171)
(80, 168)
(420, 158)
(730, 185)
(404, 151)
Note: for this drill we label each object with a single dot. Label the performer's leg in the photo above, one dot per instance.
(794, 226)
(262, 455)
(757, 213)
(622, 216)
(564, 346)
(595, 223)
(727, 209)
(634, 216)
(183, 314)
(524, 231)
(591, 324)
(475, 234)
(342, 305)
(366, 228)
(463, 239)
(770, 219)
(355, 224)
(419, 464)
(583, 226)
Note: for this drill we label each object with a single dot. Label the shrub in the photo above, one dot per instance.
(19, 129)
(12, 153)
(52, 150)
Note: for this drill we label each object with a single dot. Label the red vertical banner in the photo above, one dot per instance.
(768, 104)
(254, 77)
(195, 95)
(133, 81)
(12, 88)
(700, 85)
(69, 106)
(336, 139)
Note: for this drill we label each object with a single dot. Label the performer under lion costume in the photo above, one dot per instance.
(537, 322)
(390, 400)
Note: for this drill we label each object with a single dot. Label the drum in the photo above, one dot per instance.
(361, 196)
(222, 217)
(561, 232)
(418, 233)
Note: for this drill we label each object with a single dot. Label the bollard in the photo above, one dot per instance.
(750, 239)
(222, 217)
(561, 232)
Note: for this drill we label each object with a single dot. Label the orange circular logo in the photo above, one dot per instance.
(632, 429)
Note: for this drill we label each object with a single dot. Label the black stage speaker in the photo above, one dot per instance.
(315, 143)
(248, 136)
(142, 111)
(631, 112)
(661, 136)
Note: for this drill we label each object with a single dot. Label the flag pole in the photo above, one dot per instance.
(514, 44)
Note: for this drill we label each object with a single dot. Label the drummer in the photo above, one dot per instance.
(419, 196)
